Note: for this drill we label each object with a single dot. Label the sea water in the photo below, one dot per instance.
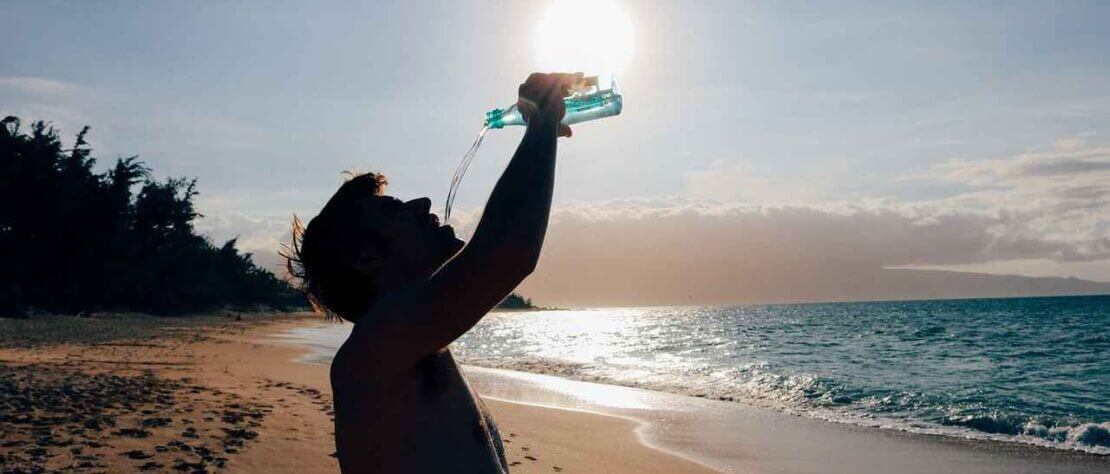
(1028, 370)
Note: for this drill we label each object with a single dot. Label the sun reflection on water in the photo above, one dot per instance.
(582, 336)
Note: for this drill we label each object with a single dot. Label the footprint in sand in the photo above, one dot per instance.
(137, 454)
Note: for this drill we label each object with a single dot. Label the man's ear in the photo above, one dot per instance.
(369, 260)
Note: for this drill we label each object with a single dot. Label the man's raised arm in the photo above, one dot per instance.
(505, 246)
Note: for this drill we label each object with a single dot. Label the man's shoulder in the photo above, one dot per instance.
(342, 362)
(353, 360)
(366, 359)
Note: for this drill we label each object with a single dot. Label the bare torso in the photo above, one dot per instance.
(424, 418)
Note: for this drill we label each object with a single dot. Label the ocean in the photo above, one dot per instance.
(1024, 370)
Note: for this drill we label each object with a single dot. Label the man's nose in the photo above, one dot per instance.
(420, 205)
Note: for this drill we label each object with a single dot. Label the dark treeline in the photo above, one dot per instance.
(515, 301)
(74, 240)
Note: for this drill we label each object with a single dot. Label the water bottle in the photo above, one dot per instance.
(587, 103)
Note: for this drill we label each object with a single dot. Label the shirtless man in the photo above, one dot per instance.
(401, 404)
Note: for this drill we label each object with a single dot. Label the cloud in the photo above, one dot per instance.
(701, 252)
(1070, 160)
(1062, 195)
(250, 218)
(1051, 208)
(37, 85)
(260, 236)
(869, 232)
(63, 104)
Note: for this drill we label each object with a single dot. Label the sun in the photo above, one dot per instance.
(591, 36)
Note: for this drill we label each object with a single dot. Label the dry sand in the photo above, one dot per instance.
(231, 397)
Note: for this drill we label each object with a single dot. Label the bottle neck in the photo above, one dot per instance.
(500, 118)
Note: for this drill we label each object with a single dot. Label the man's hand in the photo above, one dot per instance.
(541, 98)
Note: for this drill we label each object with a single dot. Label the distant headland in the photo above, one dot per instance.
(515, 302)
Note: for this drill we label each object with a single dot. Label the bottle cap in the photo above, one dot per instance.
(494, 118)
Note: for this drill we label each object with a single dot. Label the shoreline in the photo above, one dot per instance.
(957, 434)
(324, 339)
(732, 435)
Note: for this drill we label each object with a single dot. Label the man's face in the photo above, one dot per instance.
(405, 238)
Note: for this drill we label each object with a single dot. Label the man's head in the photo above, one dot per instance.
(364, 243)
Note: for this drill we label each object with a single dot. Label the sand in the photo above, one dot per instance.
(230, 396)
(234, 396)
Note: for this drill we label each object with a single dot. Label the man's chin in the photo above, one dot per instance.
(448, 234)
(451, 245)
(455, 244)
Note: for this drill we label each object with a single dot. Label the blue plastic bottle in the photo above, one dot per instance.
(590, 103)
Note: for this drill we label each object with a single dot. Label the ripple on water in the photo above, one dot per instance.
(1028, 370)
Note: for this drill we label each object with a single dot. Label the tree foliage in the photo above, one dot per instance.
(515, 301)
(74, 240)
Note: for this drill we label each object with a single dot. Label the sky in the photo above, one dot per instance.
(811, 138)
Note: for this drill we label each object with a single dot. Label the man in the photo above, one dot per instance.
(401, 404)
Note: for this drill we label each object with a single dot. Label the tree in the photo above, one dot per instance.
(74, 240)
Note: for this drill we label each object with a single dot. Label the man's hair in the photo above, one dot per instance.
(320, 254)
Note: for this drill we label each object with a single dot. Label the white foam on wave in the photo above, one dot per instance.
(1094, 434)
(801, 396)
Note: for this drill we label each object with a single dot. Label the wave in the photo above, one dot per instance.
(1086, 434)
(811, 396)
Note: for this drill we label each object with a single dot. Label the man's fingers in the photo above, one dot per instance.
(545, 93)
(550, 86)
(567, 82)
(526, 106)
(564, 131)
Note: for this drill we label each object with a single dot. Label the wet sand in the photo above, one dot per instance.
(231, 396)
(734, 437)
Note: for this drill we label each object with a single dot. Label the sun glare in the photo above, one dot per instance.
(591, 36)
